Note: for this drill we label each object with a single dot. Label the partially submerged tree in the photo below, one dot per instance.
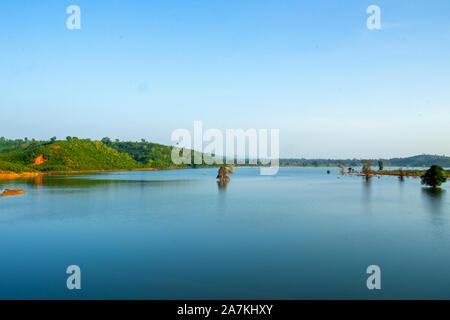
(434, 177)
(367, 169)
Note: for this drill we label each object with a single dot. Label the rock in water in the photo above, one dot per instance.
(10, 192)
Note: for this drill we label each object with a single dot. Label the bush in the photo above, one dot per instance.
(434, 176)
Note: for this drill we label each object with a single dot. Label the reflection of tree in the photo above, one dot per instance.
(366, 193)
(401, 175)
(222, 185)
(434, 198)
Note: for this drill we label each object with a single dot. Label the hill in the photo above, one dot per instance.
(149, 154)
(75, 154)
(152, 155)
(72, 155)
(415, 161)
(419, 161)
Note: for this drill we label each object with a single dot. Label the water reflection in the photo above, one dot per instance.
(155, 222)
(367, 192)
(222, 185)
(434, 199)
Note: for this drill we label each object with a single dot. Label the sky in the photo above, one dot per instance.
(312, 69)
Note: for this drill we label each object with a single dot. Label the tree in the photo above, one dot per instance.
(106, 141)
(52, 139)
(434, 177)
(367, 167)
(380, 165)
(68, 138)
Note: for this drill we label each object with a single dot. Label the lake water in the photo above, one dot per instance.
(303, 234)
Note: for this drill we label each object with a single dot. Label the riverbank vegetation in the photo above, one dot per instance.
(73, 154)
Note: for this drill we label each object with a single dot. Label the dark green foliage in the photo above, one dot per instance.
(434, 176)
(150, 155)
(380, 165)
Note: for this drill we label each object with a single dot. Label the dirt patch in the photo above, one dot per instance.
(39, 160)
(10, 192)
(5, 175)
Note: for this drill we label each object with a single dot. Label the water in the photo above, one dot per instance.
(302, 234)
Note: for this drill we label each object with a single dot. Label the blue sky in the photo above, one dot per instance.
(141, 69)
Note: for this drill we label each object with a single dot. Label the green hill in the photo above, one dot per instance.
(79, 155)
(72, 155)
(149, 154)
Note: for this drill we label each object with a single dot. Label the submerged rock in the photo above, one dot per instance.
(10, 192)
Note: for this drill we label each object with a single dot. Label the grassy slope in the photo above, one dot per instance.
(151, 155)
(148, 154)
(71, 155)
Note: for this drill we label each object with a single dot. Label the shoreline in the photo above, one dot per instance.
(7, 175)
(397, 173)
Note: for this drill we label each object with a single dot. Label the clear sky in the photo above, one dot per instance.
(141, 69)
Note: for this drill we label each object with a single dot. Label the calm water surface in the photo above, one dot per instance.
(302, 234)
